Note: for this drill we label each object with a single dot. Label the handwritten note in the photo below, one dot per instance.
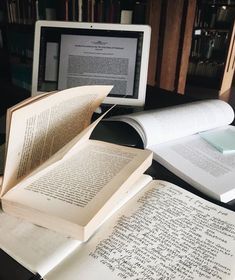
(163, 233)
(171, 235)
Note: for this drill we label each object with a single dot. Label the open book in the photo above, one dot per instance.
(54, 175)
(159, 231)
(173, 135)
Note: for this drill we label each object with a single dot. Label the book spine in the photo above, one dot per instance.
(90, 9)
(85, 10)
(116, 11)
(80, 7)
(37, 15)
(2, 11)
(100, 9)
(8, 12)
(126, 11)
(107, 8)
(76, 12)
(66, 10)
(126, 16)
(139, 12)
(70, 10)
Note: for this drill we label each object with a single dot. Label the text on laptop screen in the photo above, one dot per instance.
(91, 54)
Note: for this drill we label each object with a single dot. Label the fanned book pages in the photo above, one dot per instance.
(52, 165)
(172, 134)
(159, 231)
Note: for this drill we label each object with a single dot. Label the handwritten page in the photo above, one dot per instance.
(163, 233)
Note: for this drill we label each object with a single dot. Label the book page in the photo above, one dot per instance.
(87, 184)
(20, 105)
(200, 164)
(71, 147)
(161, 125)
(164, 232)
(17, 238)
(40, 129)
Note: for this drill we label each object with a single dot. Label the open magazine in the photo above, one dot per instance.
(173, 134)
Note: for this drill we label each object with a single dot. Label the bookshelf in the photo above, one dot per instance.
(172, 24)
(4, 65)
(4, 71)
(19, 16)
(212, 56)
(21, 54)
(115, 11)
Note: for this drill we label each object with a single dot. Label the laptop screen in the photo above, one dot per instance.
(69, 54)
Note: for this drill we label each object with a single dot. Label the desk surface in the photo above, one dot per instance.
(113, 132)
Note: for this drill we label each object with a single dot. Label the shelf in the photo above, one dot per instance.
(212, 48)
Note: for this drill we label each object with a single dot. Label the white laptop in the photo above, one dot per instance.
(68, 54)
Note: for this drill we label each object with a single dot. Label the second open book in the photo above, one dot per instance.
(54, 175)
(173, 134)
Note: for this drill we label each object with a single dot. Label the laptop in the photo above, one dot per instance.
(69, 54)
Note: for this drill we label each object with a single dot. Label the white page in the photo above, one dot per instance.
(199, 164)
(98, 60)
(36, 248)
(161, 125)
(164, 233)
(40, 249)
